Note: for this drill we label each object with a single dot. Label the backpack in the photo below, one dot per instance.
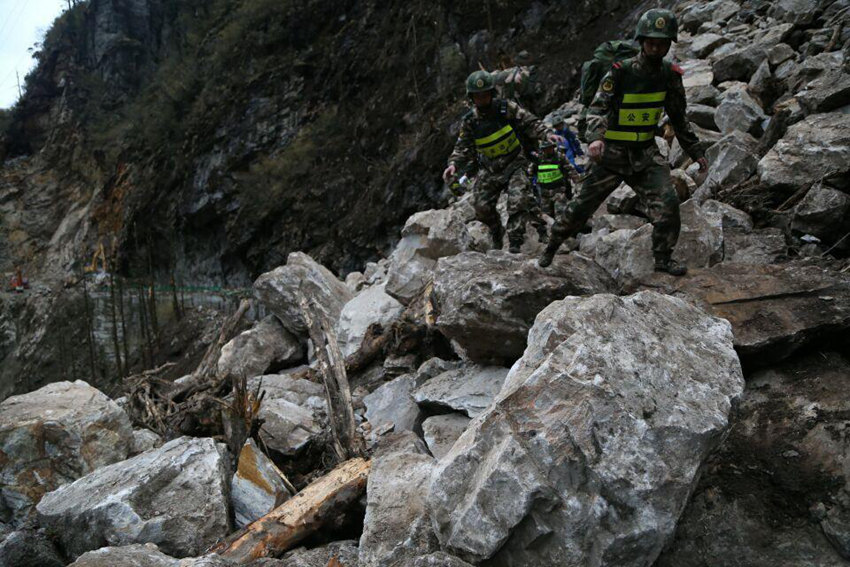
(521, 84)
(605, 55)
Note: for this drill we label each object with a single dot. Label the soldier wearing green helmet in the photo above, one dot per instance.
(621, 125)
(491, 139)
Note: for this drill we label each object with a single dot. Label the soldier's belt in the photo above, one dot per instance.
(498, 144)
(620, 136)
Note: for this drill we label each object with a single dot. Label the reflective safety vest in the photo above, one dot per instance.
(637, 117)
(496, 144)
(548, 173)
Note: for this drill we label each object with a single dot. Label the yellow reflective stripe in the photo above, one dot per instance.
(629, 136)
(644, 97)
(493, 137)
(503, 148)
(639, 116)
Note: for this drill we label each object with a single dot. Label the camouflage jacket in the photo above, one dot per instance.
(528, 128)
(605, 106)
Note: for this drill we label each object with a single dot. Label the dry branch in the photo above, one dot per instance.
(308, 511)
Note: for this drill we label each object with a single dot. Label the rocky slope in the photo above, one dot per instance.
(590, 413)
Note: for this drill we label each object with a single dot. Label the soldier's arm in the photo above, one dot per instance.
(675, 105)
(597, 112)
(528, 123)
(463, 154)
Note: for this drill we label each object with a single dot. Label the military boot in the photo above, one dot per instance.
(542, 234)
(670, 266)
(549, 253)
(514, 245)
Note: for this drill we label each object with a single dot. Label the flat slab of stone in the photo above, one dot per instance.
(469, 389)
(441, 432)
(774, 309)
(257, 486)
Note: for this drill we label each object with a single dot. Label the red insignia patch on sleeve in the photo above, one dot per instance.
(678, 69)
(617, 65)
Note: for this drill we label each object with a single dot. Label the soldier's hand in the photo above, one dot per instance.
(449, 173)
(556, 139)
(595, 150)
(703, 164)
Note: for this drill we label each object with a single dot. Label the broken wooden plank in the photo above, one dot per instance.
(302, 515)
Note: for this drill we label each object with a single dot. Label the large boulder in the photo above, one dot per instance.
(28, 548)
(263, 349)
(487, 302)
(592, 448)
(426, 237)
(828, 92)
(286, 288)
(775, 492)
(468, 389)
(135, 555)
(626, 254)
(823, 212)
(800, 12)
(391, 407)
(372, 305)
(704, 44)
(175, 496)
(53, 436)
(739, 111)
(810, 149)
(441, 431)
(334, 554)
(396, 526)
(762, 246)
(774, 310)
(731, 160)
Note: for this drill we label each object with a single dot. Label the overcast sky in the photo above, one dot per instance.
(22, 23)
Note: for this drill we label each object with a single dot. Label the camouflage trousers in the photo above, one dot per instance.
(645, 171)
(554, 197)
(522, 207)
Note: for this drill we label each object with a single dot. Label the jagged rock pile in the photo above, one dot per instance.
(589, 413)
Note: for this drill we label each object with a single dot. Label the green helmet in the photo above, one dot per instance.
(546, 144)
(479, 82)
(657, 24)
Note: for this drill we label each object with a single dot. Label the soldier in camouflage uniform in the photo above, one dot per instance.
(491, 136)
(553, 172)
(621, 128)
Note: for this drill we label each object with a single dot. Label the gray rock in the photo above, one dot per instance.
(702, 115)
(487, 302)
(344, 552)
(626, 254)
(763, 246)
(288, 428)
(480, 236)
(439, 559)
(698, 73)
(622, 201)
(724, 10)
(617, 222)
(257, 487)
(174, 496)
(760, 82)
(828, 92)
(780, 53)
(703, 94)
(355, 281)
(732, 218)
(144, 440)
(468, 389)
(695, 15)
(391, 407)
(298, 391)
(578, 463)
(441, 432)
(284, 289)
(787, 429)
(810, 149)
(372, 305)
(704, 44)
(739, 65)
(683, 183)
(263, 349)
(28, 548)
(426, 237)
(396, 526)
(731, 161)
(823, 212)
(799, 12)
(739, 111)
(136, 555)
(53, 436)
(701, 237)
